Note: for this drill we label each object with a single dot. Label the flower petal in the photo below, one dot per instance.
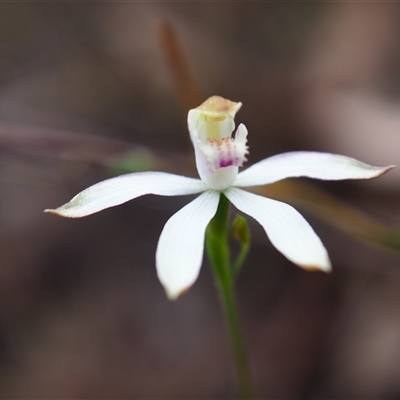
(180, 248)
(288, 231)
(118, 190)
(307, 164)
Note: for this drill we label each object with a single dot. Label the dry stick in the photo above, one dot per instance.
(178, 65)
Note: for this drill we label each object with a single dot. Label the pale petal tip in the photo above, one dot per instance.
(373, 171)
(324, 266)
(383, 170)
(52, 211)
(61, 212)
(174, 294)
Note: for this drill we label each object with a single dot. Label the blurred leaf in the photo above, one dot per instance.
(118, 155)
(134, 161)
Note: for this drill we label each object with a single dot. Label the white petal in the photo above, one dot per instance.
(180, 248)
(118, 190)
(288, 231)
(307, 164)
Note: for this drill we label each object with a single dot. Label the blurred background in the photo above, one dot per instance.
(88, 90)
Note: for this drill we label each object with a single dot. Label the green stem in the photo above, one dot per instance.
(218, 252)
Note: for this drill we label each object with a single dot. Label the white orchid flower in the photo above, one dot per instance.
(219, 154)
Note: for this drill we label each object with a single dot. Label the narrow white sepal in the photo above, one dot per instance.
(180, 249)
(288, 231)
(316, 165)
(118, 190)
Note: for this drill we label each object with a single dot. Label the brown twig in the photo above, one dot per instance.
(178, 65)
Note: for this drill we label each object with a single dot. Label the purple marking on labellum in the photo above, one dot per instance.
(225, 163)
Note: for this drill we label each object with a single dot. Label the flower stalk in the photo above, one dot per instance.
(217, 248)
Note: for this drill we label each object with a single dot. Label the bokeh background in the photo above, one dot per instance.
(86, 92)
